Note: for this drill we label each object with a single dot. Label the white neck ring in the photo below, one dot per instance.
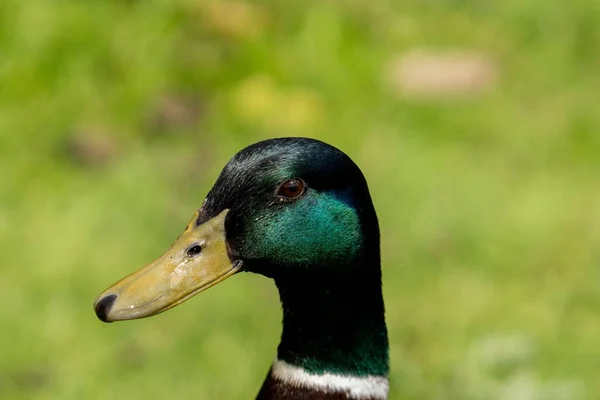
(356, 387)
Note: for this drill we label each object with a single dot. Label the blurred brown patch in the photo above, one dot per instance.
(131, 355)
(176, 113)
(91, 147)
(202, 161)
(30, 380)
(441, 74)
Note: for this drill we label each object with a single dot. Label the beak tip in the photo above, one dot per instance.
(103, 307)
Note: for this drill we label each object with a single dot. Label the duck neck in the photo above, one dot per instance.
(334, 324)
(334, 336)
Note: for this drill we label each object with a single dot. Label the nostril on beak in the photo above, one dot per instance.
(103, 307)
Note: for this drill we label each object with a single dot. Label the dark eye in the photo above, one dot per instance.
(291, 189)
(194, 250)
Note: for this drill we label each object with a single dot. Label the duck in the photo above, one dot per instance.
(298, 211)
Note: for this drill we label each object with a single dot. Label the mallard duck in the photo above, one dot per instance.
(298, 211)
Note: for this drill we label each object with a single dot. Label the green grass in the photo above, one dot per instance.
(116, 117)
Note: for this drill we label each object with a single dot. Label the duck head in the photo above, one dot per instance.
(292, 209)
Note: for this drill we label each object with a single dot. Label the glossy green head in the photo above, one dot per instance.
(296, 210)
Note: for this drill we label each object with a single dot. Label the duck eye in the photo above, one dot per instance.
(291, 189)
(194, 250)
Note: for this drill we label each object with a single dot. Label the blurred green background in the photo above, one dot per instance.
(477, 126)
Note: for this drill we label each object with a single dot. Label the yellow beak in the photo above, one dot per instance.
(196, 261)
